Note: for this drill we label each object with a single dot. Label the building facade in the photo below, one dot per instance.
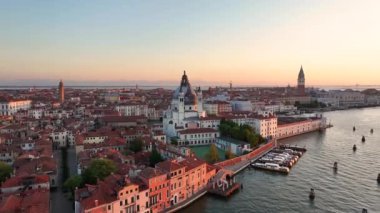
(199, 136)
(10, 107)
(298, 127)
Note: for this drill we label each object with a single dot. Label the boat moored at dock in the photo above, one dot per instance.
(281, 159)
(272, 167)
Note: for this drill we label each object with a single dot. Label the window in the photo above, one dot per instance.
(121, 203)
(138, 197)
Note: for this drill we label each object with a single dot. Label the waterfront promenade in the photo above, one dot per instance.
(235, 165)
(187, 202)
(239, 163)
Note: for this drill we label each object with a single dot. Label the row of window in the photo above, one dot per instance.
(175, 173)
(201, 135)
(127, 192)
(126, 201)
(161, 186)
(197, 142)
(174, 186)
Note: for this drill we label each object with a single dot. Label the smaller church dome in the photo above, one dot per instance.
(189, 95)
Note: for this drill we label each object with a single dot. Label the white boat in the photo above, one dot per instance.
(271, 167)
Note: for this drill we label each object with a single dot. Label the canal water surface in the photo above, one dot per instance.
(352, 188)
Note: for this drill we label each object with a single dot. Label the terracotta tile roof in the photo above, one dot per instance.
(192, 163)
(150, 172)
(210, 118)
(10, 204)
(105, 192)
(141, 158)
(31, 201)
(35, 166)
(19, 180)
(168, 166)
(198, 130)
(111, 119)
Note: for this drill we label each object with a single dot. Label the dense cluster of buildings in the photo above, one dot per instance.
(150, 190)
(104, 123)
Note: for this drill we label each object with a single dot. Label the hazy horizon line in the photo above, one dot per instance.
(73, 83)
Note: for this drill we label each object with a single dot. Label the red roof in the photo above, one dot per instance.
(192, 163)
(31, 201)
(18, 180)
(198, 130)
(150, 172)
(168, 166)
(104, 192)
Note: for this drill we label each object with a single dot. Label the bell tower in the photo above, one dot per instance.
(61, 92)
(301, 82)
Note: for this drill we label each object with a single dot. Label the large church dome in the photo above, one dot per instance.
(185, 87)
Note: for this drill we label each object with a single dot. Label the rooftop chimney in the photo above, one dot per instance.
(96, 202)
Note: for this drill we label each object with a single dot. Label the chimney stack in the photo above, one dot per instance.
(96, 202)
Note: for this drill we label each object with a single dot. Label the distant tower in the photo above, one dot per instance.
(61, 92)
(301, 82)
(200, 102)
(230, 85)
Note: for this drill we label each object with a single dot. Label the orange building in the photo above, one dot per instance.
(153, 190)
(177, 180)
(158, 185)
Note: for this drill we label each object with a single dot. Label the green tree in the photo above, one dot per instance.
(240, 132)
(155, 157)
(174, 141)
(136, 145)
(5, 171)
(228, 154)
(212, 156)
(73, 182)
(98, 169)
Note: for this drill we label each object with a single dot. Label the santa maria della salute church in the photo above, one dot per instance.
(185, 109)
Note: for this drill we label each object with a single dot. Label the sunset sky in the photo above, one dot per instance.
(248, 42)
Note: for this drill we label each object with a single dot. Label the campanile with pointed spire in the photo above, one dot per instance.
(301, 82)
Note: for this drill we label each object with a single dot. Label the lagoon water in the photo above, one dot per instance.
(351, 189)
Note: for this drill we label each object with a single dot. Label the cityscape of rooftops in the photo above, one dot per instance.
(199, 106)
